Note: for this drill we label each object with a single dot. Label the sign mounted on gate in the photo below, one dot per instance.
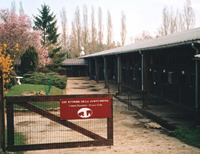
(85, 108)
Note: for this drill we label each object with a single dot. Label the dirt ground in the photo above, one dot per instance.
(130, 135)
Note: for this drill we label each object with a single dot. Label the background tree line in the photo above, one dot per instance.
(172, 22)
(84, 31)
(89, 35)
(92, 36)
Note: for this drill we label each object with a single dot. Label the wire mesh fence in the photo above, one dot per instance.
(34, 123)
(36, 129)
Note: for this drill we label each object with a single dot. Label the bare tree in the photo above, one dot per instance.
(180, 24)
(123, 28)
(85, 32)
(21, 10)
(145, 35)
(189, 17)
(64, 38)
(109, 30)
(93, 32)
(13, 7)
(165, 22)
(73, 42)
(174, 23)
(78, 28)
(171, 22)
(100, 29)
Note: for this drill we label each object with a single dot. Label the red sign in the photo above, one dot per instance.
(85, 108)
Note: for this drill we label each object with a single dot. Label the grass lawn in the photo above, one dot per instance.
(18, 89)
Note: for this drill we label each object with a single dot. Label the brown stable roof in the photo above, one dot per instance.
(74, 62)
(172, 40)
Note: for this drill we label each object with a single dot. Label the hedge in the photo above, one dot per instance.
(43, 79)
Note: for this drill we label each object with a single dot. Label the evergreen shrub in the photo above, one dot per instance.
(43, 79)
(29, 60)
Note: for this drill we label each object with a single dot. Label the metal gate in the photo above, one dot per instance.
(28, 117)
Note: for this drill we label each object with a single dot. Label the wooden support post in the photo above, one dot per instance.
(197, 72)
(90, 68)
(2, 115)
(197, 111)
(105, 72)
(119, 74)
(96, 70)
(144, 80)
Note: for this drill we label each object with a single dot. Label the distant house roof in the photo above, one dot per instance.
(74, 62)
(176, 39)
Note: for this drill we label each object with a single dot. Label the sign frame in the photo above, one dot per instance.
(85, 108)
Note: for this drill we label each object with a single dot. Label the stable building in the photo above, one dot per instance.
(75, 67)
(164, 68)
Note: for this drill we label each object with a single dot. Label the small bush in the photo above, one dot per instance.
(40, 78)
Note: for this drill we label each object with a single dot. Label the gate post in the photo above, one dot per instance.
(2, 115)
(110, 124)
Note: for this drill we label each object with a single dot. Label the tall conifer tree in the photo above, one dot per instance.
(46, 22)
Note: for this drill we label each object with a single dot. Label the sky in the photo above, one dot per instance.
(141, 15)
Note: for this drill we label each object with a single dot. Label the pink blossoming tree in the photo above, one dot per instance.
(18, 29)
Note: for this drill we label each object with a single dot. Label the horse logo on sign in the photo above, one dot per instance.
(85, 113)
